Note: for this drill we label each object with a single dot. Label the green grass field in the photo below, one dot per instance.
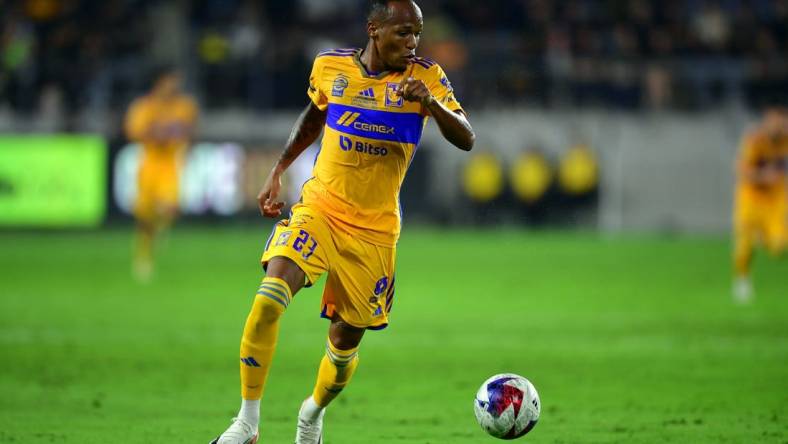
(628, 340)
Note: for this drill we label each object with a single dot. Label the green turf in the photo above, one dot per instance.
(628, 340)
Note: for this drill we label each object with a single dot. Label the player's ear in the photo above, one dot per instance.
(372, 30)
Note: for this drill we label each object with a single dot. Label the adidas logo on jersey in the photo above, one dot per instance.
(365, 99)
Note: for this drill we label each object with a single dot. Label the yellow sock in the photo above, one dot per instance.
(742, 256)
(143, 248)
(143, 253)
(260, 333)
(336, 369)
(777, 245)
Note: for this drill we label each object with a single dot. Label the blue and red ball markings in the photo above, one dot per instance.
(502, 395)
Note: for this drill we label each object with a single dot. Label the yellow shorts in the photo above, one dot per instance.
(157, 190)
(360, 283)
(760, 217)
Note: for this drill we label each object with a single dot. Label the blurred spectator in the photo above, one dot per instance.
(712, 27)
(17, 46)
(657, 86)
(256, 53)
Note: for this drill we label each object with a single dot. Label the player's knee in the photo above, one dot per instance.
(778, 249)
(775, 243)
(343, 336)
(145, 225)
(273, 297)
(286, 269)
(341, 358)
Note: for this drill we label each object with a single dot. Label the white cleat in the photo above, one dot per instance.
(143, 271)
(240, 432)
(309, 431)
(742, 290)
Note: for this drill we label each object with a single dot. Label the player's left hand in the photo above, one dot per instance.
(414, 90)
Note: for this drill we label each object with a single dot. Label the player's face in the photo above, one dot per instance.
(396, 39)
(775, 122)
(783, 124)
(169, 85)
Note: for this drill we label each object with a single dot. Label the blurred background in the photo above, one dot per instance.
(592, 218)
(619, 115)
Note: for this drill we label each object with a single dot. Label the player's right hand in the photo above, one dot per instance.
(267, 198)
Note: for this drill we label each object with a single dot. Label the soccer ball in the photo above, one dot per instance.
(507, 406)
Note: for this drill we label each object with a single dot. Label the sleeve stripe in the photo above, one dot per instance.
(338, 51)
(429, 62)
(334, 54)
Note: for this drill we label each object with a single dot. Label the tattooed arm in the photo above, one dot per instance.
(305, 131)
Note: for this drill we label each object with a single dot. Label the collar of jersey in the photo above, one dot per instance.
(364, 72)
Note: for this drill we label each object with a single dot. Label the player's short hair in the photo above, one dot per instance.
(378, 10)
(777, 101)
(160, 71)
(771, 108)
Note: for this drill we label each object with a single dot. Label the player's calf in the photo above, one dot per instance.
(260, 335)
(257, 348)
(336, 369)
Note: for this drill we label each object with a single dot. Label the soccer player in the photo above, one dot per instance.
(163, 122)
(761, 199)
(372, 104)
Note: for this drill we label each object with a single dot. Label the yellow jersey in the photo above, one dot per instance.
(369, 140)
(760, 151)
(170, 121)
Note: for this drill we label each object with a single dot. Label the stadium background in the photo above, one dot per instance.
(614, 300)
